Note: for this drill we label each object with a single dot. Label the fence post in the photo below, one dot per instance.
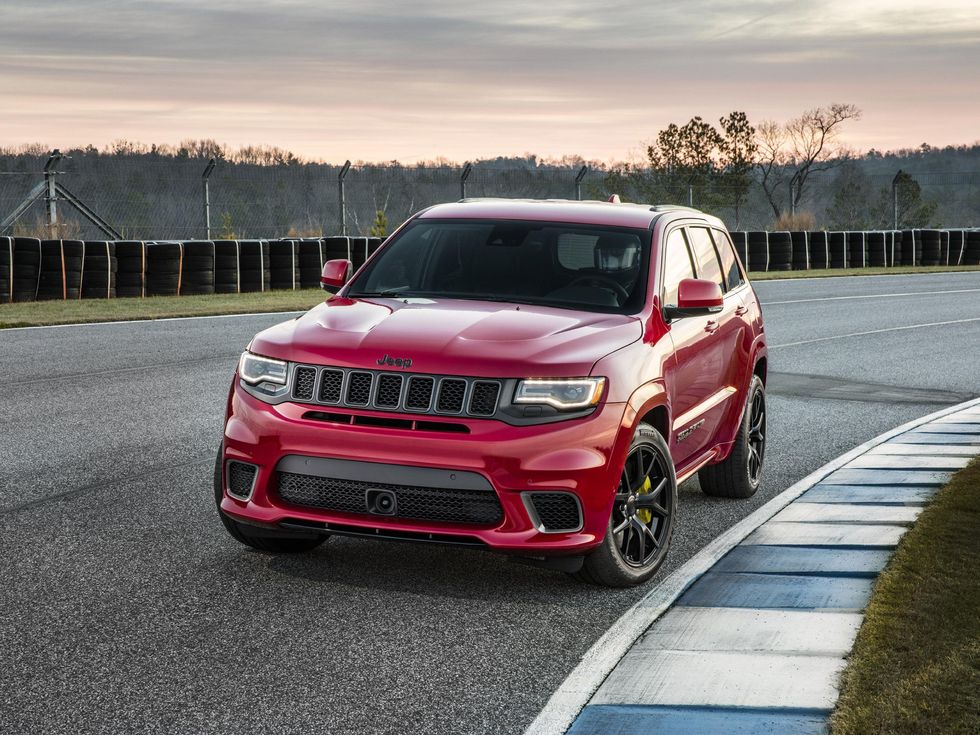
(895, 200)
(342, 197)
(50, 190)
(467, 169)
(578, 182)
(207, 198)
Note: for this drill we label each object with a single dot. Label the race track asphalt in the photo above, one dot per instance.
(124, 607)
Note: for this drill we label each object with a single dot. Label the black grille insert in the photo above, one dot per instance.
(389, 391)
(330, 384)
(556, 511)
(303, 382)
(241, 477)
(419, 393)
(359, 388)
(451, 392)
(478, 507)
(483, 401)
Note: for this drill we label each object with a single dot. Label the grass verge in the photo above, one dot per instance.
(40, 313)
(915, 667)
(897, 270)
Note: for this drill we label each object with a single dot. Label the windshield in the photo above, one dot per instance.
(584, 267)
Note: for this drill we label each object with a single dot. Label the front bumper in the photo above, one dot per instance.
(581, 456)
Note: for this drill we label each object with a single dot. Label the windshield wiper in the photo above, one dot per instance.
(386, 292)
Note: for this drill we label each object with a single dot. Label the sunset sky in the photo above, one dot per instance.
(460, 79)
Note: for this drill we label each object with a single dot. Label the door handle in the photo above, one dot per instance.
(711, 327)
(741, 311)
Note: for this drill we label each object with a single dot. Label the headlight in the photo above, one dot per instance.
(254, 369)
(565, 394)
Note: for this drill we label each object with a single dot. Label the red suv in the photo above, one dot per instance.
(530, 377)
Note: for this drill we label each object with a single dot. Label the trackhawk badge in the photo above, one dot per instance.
(402, 362)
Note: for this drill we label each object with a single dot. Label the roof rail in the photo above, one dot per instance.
(673, 208)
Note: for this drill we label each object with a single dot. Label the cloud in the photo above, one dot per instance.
(465, 78)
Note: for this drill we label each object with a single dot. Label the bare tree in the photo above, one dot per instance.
(812, 137)
(772, 159)
(802, 147)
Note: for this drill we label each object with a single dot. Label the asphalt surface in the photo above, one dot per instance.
(124, 607)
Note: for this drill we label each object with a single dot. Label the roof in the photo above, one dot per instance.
(552, 210)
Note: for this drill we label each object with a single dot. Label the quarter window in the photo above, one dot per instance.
(677, 265)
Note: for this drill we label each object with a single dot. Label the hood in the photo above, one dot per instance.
(454, 337)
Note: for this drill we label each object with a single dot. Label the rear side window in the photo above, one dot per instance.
(709, 267)
(729, 262)
(677, 265)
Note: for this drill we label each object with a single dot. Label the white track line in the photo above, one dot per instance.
(160, 319)
(574, 693)
(874, 331)
(871, 296)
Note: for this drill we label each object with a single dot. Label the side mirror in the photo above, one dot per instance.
(335, 274)
(696, 297)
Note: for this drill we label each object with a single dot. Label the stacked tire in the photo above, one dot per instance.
(197, 273)
(99, 270)
(283, 264)
(801, 250)
(894, 247)
(857, 249)
(164, 262)
(131, 268)
(837, 247)
(226, 264)
(60, 275)
(780, 251)
(25, 268)
(875, 249)
(6, 268)
(312, 255)
(254, 265)
(971, 250)
(910, 248)
(358, 251)
(930, 243)
(819, 249)
(957, 244)
(738, 240)
(758, 250)
(337, 248)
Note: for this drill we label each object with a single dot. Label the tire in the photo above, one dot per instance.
(285, 544)
(819, 254)
(738, 476)
(607, 565)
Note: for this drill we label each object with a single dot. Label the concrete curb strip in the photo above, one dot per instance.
(598, 662)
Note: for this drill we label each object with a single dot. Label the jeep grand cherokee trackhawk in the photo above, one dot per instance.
(530, 377)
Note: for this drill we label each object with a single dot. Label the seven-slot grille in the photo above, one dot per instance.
(383, 391)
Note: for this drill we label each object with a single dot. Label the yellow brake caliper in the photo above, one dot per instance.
(644, 514)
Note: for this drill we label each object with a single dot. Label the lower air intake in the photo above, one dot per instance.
(555, 512)
(241, 478)
(412, 502)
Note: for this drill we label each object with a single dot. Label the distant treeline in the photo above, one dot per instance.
(149, 192)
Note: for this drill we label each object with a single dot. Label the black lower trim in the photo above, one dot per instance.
(342, 529)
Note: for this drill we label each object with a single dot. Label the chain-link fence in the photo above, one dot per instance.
(157, 197)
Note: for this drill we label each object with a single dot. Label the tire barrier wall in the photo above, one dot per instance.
(32, 269)
(818, 249)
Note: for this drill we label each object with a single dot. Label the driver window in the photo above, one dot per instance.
(678, 265)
